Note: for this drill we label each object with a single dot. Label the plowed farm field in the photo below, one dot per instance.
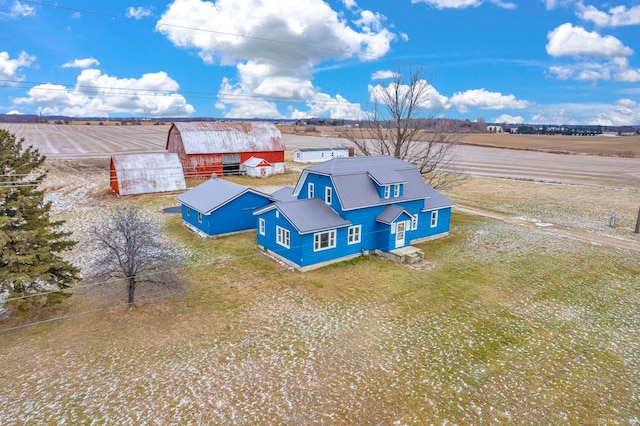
(77, 141)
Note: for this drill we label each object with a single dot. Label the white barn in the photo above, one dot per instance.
(313, 155)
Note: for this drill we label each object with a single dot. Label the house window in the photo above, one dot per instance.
(387, 191)
(414, 222)
(324, 240)
(261, 226)
(396, 191)
(434, 218)
(199, 217)
(283, 237)
(327, 195)
(188, 211)
(311, 190)
(354, 234)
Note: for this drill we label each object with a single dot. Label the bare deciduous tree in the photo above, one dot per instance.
(401, 123)
(130, 247)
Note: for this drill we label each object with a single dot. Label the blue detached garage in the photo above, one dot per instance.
(219, 207)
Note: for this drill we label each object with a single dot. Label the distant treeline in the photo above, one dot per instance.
(464, 126)
(575, 130)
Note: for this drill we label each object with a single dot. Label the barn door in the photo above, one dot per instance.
(230, 164)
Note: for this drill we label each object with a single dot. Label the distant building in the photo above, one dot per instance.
(146, 173)
(207, 148)
(311, 155)
(495, 129)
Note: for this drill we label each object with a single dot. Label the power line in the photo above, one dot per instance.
(208, 30)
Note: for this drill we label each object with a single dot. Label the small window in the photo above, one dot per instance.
(324, 240)
(199, 217)
(283, 237)
(387, 191)
(327, 195)
(261, 226)
(311, 190)
(396, 191)
(354, 234)
(188, 210)
(434, 218)
(414, 223)
(277, 214)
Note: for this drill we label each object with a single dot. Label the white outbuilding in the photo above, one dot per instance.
(257, 167)
(313, 155)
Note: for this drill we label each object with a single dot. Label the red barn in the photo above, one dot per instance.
(220, 147)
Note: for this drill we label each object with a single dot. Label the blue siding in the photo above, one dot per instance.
(380, 189)
(269, 240)
(320, 183)
(235, 216)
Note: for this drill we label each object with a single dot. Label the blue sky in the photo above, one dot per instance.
(531, 61)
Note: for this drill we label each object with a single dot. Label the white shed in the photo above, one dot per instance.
(257, 167)
(311, 155)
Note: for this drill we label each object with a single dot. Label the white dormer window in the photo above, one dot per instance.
(396, 191)
(327, 195)
(387, 191)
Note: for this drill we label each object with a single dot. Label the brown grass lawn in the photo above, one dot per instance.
(500, 324)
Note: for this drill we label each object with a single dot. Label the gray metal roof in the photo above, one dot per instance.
(206, 137)
(339, 148)
(354, 184)
(385, 176)
(284, 194)
(148, 172)
(310, 215)
(255, 161)
(213, 194)
(390, 214)
(436, 201)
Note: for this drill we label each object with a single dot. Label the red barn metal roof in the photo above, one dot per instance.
(206, 137)
(149, 172)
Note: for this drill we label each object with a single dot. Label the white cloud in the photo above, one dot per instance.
(623, 112)
(461, 4)
(509, 119)
(277, 43)
(383, 75)
(82, 63)
(97, 94)
(10, 68)
(19, 9)
(615, 17)
(14, 112)
(482, 99)
(323, 105)
(432, 100)
(553, 4)
(138, 12)
(615, 69)
(567, 40)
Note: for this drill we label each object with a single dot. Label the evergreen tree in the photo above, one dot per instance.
(30, 242)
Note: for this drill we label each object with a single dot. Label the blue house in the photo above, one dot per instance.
(218, 207)
(350, 206)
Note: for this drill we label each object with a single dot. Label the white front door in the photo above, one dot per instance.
(400, 234)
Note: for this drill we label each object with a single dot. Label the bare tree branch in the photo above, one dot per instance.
(401, 123)
(130, 247)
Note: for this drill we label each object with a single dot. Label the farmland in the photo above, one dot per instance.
(502, 323)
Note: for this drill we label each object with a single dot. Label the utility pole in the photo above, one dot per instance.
(638, 223)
